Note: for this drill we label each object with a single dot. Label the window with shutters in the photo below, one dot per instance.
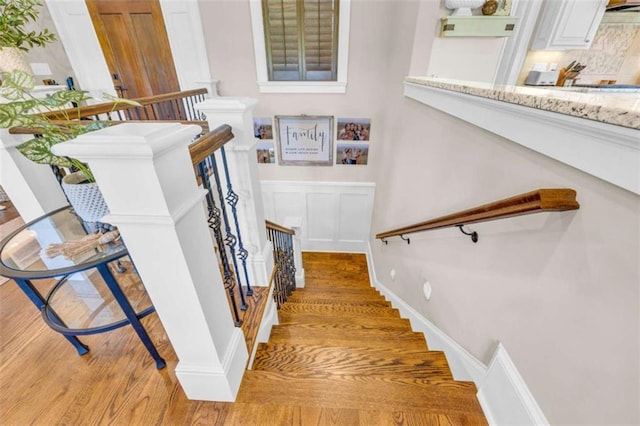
(301, 45)
(301, 39)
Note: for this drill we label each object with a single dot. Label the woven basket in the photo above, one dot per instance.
(85, 198)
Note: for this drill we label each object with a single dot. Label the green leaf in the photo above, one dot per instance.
(63, 98)
(38, 150)
(118, 100)
(15, 114)
(16, 84)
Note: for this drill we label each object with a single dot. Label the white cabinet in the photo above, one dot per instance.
(568, 24)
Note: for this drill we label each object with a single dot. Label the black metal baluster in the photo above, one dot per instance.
(230, 239)
(215, 224)
(232, 199)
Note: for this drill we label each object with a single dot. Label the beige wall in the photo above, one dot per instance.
(559, 290)
(372, 39)
(52, 54)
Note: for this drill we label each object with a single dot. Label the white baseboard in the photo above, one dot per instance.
(504, 396)
(220, 382)
(502, 393)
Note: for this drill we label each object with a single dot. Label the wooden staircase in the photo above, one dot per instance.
(342, 355)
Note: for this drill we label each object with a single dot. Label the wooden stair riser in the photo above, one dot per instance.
(336, 310)
(327, 301)
(320, 361)
(338, 294)
(362, 337)
(337, 322)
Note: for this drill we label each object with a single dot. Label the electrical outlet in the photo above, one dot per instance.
(393, 274)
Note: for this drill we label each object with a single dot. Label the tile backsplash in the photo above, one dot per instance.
(613, 55)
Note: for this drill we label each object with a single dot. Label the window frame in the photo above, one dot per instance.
(260, 51)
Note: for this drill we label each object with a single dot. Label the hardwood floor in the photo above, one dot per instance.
(357, 363)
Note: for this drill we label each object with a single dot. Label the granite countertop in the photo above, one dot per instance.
(612, 107)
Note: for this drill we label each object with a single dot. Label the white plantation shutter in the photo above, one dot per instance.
(302, 39)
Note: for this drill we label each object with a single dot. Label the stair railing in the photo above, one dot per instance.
(209, 160)
(284, 267)
(173, 107)
(541, 200)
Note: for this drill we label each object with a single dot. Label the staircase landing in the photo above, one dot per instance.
(342, 355)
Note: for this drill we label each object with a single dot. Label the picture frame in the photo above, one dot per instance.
(352, 154)
(504, 8)
(354, 129)
(304, 140)
(262, 128)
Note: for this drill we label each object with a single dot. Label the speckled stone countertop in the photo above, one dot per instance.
(619, 108)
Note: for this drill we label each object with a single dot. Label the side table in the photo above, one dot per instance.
(92, 293)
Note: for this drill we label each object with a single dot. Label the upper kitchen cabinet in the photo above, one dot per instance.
(567, 24)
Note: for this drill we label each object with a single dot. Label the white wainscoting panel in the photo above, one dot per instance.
(336, 216)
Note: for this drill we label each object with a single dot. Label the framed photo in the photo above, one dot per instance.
(305, 140)
(265, 153)
(262, 128)
(504, 8)
(354, 129)
(351, 154)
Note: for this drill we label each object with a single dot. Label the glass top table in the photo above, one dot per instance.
(96, 288)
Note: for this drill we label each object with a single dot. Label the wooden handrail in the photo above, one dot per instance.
(540, 200)
(209, 143)
(280, 228)
(37, 131)
(107, 107)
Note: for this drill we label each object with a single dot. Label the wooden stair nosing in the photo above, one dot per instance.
(337, 392)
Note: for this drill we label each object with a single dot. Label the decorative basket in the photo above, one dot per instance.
(85, 198)
(12, 58)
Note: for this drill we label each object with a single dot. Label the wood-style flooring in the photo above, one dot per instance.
(340, 355)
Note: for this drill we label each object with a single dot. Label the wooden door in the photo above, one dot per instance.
(135, 45)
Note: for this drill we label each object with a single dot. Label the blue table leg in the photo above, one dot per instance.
(36, 298)
(130, 313)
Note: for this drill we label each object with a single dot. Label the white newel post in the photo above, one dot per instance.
(145, 174)
(32, 188)
(243, 170)
(295, 223)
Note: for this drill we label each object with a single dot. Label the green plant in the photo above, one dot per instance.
(25, 110)
(14, 15)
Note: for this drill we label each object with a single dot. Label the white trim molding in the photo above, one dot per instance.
(335, 216)
(606, 151)
(259, 49)
(503, 395)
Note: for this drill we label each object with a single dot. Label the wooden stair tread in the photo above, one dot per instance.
(320, 300)
(369, 361)
(329, 336)
(344, 310)
(315, 320)
(272, 414)
(369, 393)
(336, 288)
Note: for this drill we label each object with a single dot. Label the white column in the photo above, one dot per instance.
(295, 223)
(243, 170)
(145, 174)
(32, 187)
